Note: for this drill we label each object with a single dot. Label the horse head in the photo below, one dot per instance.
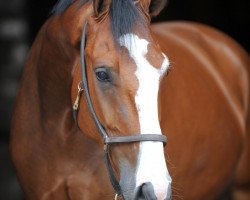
(124, 68)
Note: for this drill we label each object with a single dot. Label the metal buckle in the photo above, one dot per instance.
(105, 147)
(80, 89)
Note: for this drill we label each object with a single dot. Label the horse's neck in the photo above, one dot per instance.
(47, 78)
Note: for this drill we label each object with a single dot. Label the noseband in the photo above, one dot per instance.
(107, 140)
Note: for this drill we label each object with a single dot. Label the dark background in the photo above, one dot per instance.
(21, 19)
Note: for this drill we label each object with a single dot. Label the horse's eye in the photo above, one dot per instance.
(102, 75)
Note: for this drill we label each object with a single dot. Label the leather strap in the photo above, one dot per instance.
(125, 139)
(102, 132)
(136, 138)
(111, 173)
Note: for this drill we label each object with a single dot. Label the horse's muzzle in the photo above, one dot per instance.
(146, 192)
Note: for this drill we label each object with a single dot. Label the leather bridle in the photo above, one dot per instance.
(107, 140)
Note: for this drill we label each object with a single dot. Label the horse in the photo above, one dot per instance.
(102, 82)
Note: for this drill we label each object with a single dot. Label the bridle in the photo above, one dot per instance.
(107, 140)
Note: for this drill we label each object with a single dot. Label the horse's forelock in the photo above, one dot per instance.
(124, 17)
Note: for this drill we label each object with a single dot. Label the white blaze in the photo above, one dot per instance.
(151, 162)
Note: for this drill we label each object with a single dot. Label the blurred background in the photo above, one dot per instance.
(20, 21)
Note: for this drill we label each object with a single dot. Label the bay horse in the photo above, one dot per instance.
(62, 108)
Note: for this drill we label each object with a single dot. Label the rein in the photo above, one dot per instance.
(107, 140)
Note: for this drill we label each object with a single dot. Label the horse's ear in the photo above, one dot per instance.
(156, 6)
(101, 7)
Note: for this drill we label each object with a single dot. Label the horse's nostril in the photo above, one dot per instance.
(146, 192)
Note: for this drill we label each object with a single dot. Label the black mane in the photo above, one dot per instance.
(62, 5)
(124, 15)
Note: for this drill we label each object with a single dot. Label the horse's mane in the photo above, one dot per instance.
(124, 15)
(62, 5)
